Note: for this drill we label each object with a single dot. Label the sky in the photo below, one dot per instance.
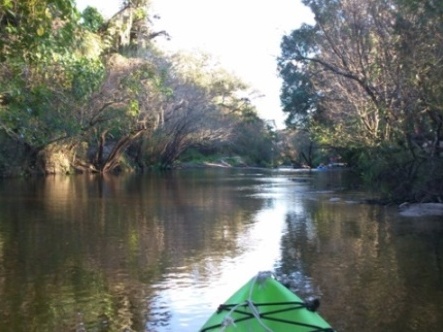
(242, 35)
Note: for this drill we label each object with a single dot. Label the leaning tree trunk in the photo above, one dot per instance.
(113, 160)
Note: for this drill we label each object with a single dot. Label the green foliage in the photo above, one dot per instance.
(60, 85)
(392, 172)
(133, 82)
(255, 143)
(196, 156)
(86, 77)
(140, 14)
(365, 78)
(92, 19)
(36, 30)
(298, 96)
(43, 105)
(134, 108)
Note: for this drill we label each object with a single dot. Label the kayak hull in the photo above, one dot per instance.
(264, 304)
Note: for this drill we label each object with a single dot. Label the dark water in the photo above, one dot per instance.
(159, 252)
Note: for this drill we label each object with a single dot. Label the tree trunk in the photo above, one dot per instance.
(113, 160)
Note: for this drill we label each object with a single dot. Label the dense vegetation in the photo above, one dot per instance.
(361, 85)
(78, 93)
(364, 82)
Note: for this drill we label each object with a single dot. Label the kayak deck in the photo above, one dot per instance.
(264, 304)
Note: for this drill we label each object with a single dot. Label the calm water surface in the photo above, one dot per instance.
(159, 252)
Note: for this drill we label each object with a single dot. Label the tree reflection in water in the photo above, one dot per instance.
(159, 252)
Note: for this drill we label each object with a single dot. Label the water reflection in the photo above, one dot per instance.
(159, 252)
(190, 293)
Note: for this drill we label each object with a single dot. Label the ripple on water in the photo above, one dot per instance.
(179, 302)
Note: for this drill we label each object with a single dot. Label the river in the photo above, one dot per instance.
(158, 252)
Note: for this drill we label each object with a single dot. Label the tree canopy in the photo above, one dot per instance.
(100, 93)
(364, 78)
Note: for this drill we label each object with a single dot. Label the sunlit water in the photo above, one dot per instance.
(159, 252)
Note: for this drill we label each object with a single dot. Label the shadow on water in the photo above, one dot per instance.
(159, 252)
(373, 269)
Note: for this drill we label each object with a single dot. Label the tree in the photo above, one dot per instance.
(420, 37)
(199, 110)
(39, 72)
(364, 78)
(349, 60)
(92, 19)
(33, 30)
(98, 92)
(124, 108)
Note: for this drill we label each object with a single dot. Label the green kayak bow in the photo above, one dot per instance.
(265, 305)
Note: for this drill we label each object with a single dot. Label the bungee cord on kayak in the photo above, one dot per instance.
(245, 314)
(228, 320)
